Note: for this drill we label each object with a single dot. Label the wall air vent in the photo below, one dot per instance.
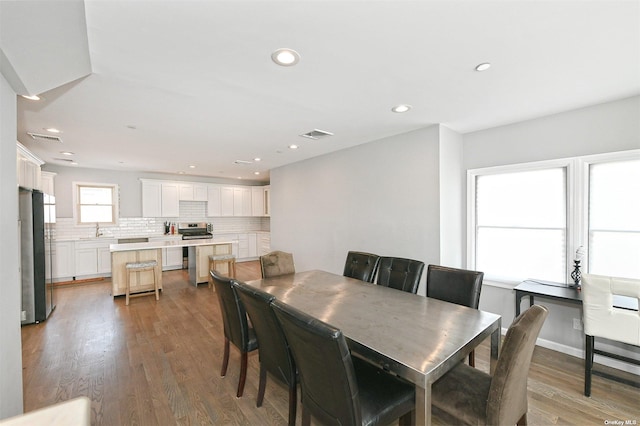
(44, 138)
(316, 134)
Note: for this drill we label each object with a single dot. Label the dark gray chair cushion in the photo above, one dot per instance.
(361, 266)
(399, 273)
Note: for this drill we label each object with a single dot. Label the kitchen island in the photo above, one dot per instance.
(199, 251)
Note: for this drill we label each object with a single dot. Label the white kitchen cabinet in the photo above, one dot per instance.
(172, 258)
(226, 201)
(242, 201)
(264, 243)
(47, 182)
(151, 198)
(92, 258)
(247, 246)
(228, 237)
(186, 191)
(257, 201)
(28, 168)
(62, 260)
(170, 200)
(267, 200)
(104, 260)
(214, 201)
(200, 192)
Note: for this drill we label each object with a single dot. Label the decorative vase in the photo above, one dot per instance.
(575, 274)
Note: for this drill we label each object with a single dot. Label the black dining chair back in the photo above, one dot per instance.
(361, 266)
(399, 273)
(274, 353)
(336, 388)
(459, 286)
(236, 326)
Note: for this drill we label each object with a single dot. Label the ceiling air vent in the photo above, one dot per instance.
(243, 162)
(316, 134)
(45, 138)
(68, 160)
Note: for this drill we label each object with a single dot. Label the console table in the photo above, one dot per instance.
(560, 291)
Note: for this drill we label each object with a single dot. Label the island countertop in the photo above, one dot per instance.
(165, 244)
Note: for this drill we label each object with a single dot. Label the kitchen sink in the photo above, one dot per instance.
(133, 240)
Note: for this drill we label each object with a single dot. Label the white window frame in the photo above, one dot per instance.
(76, 201)
(472, 174)
(577, 202)
(583, 200)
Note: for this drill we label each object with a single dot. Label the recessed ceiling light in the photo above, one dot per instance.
(192, 166)
(256, 173)
(31, 97)
(401, 108)
(293, 146)
(285, 57)
(66, 152)
(53, 130)
(73, 163)
(257, 159)
(483, 66)
(180, 172)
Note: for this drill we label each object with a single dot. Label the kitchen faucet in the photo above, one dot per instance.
(98, 233)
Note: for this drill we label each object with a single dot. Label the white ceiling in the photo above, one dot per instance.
(196, 80)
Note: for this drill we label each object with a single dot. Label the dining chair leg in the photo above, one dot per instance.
(472, 358)
(243, 373)
(523, 420)
(261, 386)
(225, 358)
(408, 419)
(293, 403)
(306, 417)
(588, 364)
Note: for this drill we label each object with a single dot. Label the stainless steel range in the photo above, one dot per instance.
(194, 231)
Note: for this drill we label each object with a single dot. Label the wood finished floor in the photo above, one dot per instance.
(158, 363)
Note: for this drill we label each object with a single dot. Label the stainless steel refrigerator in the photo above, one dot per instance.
(37, 287)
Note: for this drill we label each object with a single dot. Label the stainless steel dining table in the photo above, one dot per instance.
(414, 337)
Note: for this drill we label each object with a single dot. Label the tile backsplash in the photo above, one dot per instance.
(190, 211)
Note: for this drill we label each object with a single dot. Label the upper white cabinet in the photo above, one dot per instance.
(226, 201)
(47, 182)
(162, 198)
(170, 200)
(28, 168)
(151, 198)
(242, 201)
(193, 192)
(214, 202)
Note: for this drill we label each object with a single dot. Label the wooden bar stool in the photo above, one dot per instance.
(216, 259)
(142, 266)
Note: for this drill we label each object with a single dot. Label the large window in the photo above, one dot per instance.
(528, 220)
(96, 203)
(614, 218)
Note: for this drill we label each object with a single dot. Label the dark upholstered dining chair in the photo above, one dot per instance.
(466, 395)
(401, 274)
(277, 263)
(336, 388)
(459, 286)
(236, 326)
(274, 353)
(361, 266)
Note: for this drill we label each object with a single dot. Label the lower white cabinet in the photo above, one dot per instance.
(172, 258)
(264, 243)
(92, 258)
(247, 246)
(62, 260)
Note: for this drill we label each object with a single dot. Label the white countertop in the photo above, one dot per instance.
(165, 244)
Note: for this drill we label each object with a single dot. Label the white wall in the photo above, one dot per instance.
(451, 198)
(609, 127)
(380, 197)
(10, 292)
